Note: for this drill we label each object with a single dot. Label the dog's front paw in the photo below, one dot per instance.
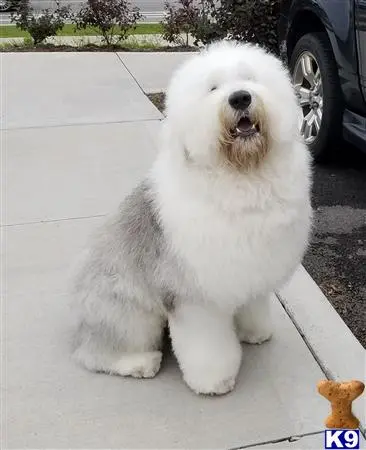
(210, 374)
(210, 386)
(255, 336)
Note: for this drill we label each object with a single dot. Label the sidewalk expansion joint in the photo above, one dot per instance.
(132, 75)
(290, 439)
(324, 369)
(35, 127)
(64, 219)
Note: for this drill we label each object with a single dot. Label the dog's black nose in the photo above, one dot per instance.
(240, 100)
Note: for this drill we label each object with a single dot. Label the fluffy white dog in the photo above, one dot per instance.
(221, 221)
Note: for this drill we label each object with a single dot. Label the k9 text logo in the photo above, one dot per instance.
(342, 439)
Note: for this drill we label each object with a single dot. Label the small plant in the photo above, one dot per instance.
(177, 22)
(190, 18)
(250, 20)
(112, 19)
(209, 20)
(43, 25)
(205, 29)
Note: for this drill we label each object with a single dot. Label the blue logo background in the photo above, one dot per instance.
(342, 439)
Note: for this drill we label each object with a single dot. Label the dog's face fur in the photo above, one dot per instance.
(225, 106)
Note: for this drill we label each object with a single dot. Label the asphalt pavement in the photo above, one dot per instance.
(337, 256)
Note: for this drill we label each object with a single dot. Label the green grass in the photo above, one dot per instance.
(11, 31)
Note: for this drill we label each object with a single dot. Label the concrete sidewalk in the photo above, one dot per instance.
(78, 134)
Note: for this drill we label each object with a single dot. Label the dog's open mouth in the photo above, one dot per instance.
(245, 128)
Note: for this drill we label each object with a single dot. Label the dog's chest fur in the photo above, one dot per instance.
(234, 251)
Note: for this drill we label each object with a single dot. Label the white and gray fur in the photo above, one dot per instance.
(202, 243)
(129, 262)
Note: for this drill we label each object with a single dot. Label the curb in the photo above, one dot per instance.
(338, 353)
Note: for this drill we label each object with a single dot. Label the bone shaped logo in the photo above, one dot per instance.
(341, 396)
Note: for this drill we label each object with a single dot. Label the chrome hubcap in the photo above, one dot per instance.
(4, 5)
(309, 91)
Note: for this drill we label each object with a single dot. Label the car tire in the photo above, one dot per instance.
(325, 138)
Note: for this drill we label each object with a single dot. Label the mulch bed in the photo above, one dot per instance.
(158, 99)
(93, 48)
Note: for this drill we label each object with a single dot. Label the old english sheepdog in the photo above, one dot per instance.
(220, 222)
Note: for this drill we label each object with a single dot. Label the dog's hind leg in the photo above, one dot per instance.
(132, 351)
(253, 321)
(134, 364)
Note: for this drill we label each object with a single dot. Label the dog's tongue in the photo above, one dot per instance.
(244, 124)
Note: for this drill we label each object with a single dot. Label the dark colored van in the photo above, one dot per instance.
(324, 43)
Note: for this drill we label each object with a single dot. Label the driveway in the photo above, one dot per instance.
(337, 255)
